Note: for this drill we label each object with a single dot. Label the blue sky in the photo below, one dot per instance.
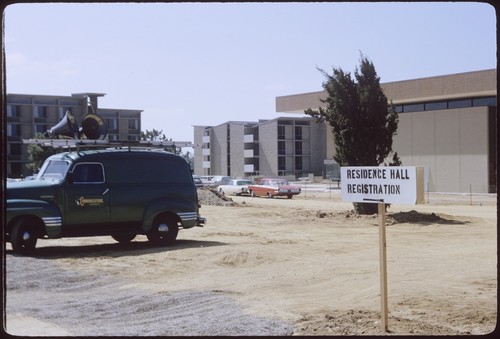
(188, 64)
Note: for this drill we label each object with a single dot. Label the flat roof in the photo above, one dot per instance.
(453, 86)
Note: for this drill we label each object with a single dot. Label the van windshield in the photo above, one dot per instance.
(53, 170)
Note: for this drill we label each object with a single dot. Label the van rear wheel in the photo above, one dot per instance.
(164, 231)
(23, 236)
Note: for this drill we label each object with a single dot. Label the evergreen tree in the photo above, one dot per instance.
(157, 135)
(362, 121)
(37, 155)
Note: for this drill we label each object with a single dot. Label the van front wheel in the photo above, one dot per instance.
(164, 231)
(23, 236)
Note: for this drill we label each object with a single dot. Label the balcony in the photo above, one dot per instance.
(249, 168)
(13, 119)
(40, 120)
(248, 138)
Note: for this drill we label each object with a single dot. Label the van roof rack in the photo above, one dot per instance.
(87, 143)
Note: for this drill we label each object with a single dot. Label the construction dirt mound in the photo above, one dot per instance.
(210, 196)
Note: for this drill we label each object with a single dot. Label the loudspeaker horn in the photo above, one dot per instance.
(94, 127)
(67, 126)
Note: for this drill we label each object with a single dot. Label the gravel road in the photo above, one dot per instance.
(93, 304)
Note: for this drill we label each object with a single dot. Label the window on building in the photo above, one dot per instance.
(298, 147)
(13, 130)
(281, 132)
(298, 163)
(112, 124)
(490, 101)
(41, 112)
(133, 124)
(430, 106)
(298, 132)
(281, 147)
(281, 163)
(13, 111)
(460, 103)
(413, 108)
(15, 149)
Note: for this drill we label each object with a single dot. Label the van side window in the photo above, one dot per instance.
(88, 173)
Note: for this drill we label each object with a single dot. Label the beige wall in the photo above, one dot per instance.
(474, 150)
(451, 144)
(447, 170)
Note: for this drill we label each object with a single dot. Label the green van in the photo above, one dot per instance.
(116, 192)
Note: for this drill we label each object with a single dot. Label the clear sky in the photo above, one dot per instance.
(188, 64)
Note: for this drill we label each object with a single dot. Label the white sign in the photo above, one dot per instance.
(389, 184)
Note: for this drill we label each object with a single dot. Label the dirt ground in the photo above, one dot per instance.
(305, 266)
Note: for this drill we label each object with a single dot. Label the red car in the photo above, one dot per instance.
(273, 187)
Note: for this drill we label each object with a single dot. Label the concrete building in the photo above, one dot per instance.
(447, 124)
(29, 114)
(291, 147)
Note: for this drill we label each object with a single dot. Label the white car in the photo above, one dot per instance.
(219, 179)
(234, 186)
(206, 180)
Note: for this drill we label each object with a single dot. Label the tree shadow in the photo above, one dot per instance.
(112, 250)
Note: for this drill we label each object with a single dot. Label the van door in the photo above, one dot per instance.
(87, 201)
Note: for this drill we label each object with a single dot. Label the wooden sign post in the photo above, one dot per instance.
(383, 267)
(393, 185)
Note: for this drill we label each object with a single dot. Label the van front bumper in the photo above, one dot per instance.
(200, 221)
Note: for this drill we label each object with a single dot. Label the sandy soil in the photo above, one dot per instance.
(306, 266)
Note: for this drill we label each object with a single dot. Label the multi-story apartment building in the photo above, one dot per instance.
(291, 147)
(447, 124)
(227, 149)
(29, 114)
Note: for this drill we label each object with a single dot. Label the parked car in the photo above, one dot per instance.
(217, 179)
(273, 187)
(197, 181)
(206, 180)
(234, 186)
